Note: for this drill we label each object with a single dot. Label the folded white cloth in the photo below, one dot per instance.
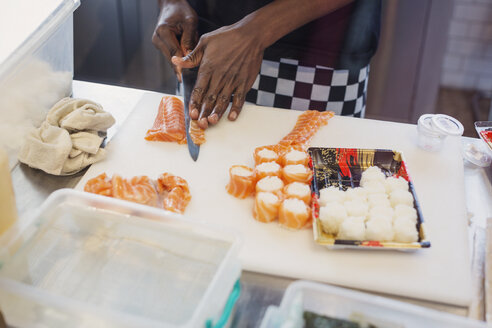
(79, 114)
(68, 139)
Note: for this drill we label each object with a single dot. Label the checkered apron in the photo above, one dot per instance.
(286, 84)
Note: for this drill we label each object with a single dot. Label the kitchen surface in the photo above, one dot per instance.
(119, 210)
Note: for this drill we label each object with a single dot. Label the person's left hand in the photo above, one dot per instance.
(229, 60)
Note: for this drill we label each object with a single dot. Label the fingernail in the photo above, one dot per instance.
(194, 112)
(203, 123)
(214, 118)
(233, 116)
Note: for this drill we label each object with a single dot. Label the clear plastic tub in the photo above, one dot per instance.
(340, 303)
(91, 261)
(36, 64)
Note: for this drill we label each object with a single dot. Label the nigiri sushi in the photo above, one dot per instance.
(242, 181)
(294, 213)
(295, 156)
(267, 169)
(265, 154)
(266, 207)
(271, 184)
(298, 172)
(298, 190)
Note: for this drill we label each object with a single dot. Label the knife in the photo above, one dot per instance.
(188, 76)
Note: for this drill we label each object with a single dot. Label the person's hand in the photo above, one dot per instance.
(229, 60)
(175, 33)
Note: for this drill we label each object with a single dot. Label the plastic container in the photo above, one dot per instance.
(36, 64)
(433, 130)
(340, 303)
(90, 261)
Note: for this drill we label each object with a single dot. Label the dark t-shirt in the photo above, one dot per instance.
(344, 39)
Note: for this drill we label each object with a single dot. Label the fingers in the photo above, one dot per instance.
(210, 99)
(189, 36)
(191, 60)
(222, 102)
(165, 40)
(198, 93)
(237, 102)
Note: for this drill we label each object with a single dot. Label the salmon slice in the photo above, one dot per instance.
(138, 190)
(296, 173)
(266, 207)
(294, 155)
(267, 169)
(294, 214)
(175, 192)
(241, 181)
(169, 124)
(197, 134)
(100, 185)
(298, 190)
(266, 154)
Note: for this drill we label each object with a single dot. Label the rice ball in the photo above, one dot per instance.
(352, 228)
(393, 183)
(380, 230)
(378, 200)
(357, 208)
(330, 195)
(401, 197)
(356, 193)
(331, 216)
(379, 211)
(374, 187)
(402, 210)
(405, 231)
(372, 173)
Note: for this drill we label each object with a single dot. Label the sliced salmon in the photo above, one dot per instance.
(138, 190)
(266, 207)
(100, 185)
(296, 173)
(266, 154)
(197, 134)
(175, 192)
(241, 181)
(294, 214)
(169, 124)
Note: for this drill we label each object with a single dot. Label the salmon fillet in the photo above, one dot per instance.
(175, 192)
(241, 185)
(169, 124)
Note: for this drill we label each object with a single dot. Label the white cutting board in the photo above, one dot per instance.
(440, 273)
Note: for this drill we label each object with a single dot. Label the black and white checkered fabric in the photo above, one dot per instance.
(286, 84)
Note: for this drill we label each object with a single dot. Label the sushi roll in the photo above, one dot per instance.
(379, 229)
(267, 169)
(294, 213)
(374, 187)
(378, 200)
(271, 184)
(295, 156)
(356, 193)
(266, 207)
(399, 196)
(405, 231)
(352, 228)
(403, 210)
(296, 173)
(265, 154)
(331, 216)
(241, 181)
(356, 208)
(392, 183)
(298, 190)
(330, 195)
(381, 212)
(372, 173)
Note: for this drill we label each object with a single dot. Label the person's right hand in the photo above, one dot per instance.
(175, 33)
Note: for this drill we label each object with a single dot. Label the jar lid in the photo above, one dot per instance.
(475, 155)
(425, 123)
(447, 125)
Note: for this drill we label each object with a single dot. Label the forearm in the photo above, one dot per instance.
(281, 17)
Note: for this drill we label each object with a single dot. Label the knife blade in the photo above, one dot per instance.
(188, 76)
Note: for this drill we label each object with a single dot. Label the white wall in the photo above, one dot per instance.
(467, 63)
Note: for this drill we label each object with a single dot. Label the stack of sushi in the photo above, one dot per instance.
(381, 209)
(280, 183)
